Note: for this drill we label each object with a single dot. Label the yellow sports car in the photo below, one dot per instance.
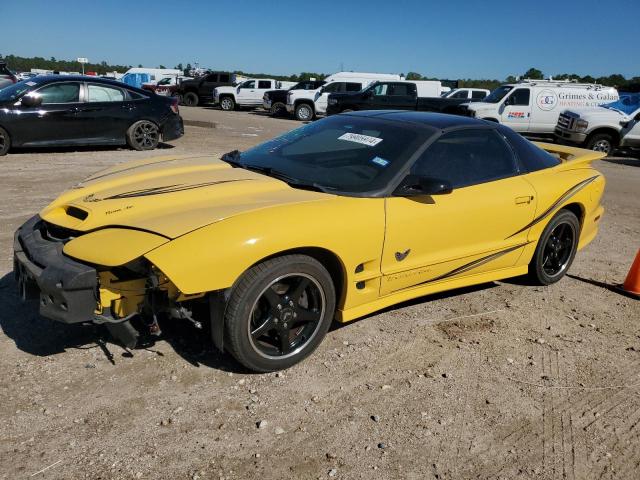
(334, 220)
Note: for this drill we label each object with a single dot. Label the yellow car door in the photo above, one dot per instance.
(475, 228)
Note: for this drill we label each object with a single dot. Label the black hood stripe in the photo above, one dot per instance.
(468, 266)
(161, 190)
(565, 196)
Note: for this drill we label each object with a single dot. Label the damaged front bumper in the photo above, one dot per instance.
(67, 290)
(71, 291)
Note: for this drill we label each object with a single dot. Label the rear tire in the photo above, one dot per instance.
(143, 135)
(190, 99)
(556, 249)
(304, 112)
(227, 104)
(601, 142)
(5, 142)
(279, 312)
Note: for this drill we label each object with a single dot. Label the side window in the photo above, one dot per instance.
(402, 89)
(103, 93)
(135, 95)
(467, 157)
(224, 78)
(264, 84)
(353, 87)
(249, 84)
(334, 87)
(460, 94)
(381, 89)
(519, 97)
(212, 78)
(478, 95)
(60, 93)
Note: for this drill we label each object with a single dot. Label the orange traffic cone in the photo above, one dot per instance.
(632, 283)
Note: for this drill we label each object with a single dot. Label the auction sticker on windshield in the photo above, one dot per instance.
(362, 139)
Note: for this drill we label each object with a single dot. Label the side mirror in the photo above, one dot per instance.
(321, 91)
(637, 117)
(368, 94)
(416, 185)
(238, 89)
(625, 124)
(31, 101)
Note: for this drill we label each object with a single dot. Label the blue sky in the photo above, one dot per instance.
(462, 39)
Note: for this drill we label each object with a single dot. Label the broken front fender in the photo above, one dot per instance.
(112, 247)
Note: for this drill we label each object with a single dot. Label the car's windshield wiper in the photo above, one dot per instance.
(289, 180)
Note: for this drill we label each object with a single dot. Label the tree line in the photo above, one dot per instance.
(25, 64)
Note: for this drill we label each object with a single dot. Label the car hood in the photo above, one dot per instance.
(169, 196)
(597, 113)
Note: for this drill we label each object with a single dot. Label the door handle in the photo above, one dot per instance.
(524, 200)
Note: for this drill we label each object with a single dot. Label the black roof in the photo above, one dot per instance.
(440, 121)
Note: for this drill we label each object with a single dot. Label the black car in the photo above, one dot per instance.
(197, 91)
(59, 110)
(394, 95)
(275, 101)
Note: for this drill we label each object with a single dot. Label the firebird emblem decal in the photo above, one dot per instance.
(402, 255)
(159, 190)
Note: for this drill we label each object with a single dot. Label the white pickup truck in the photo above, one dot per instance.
(473, 94)
(306, 104)
(604, 128)
(248, 93)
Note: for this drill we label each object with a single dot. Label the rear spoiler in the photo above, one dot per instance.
(572, 156)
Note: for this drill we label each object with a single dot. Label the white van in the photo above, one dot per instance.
(533, 106)
(306, 104)
(138, 76)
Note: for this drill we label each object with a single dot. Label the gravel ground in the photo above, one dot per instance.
(499, 381)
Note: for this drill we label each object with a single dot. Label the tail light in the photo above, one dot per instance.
(174, 106)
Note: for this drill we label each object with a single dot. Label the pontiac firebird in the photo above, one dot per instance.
(334, 220)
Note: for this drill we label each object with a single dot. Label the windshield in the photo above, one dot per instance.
(165, 81)
(498, 94)
(343, 153)
(628, 103)
(12, 92)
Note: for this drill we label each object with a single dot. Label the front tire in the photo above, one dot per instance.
(190, 99)
(5, 142)
(279, 312)
(304, 112)
(601, 142)
(277, 109)
(143, 135)
(227, 104)
(556, 249)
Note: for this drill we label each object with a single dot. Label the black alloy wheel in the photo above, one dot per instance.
(143, 135)
(286, 315)
(279, 312)
(556, 248)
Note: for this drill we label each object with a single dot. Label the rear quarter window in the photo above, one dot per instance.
(531, 157)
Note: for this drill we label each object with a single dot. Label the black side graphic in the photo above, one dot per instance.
(565, 196)
(159, 190)
(469, 266)
(402, 255)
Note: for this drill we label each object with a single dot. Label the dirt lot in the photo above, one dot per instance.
(500, 381)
